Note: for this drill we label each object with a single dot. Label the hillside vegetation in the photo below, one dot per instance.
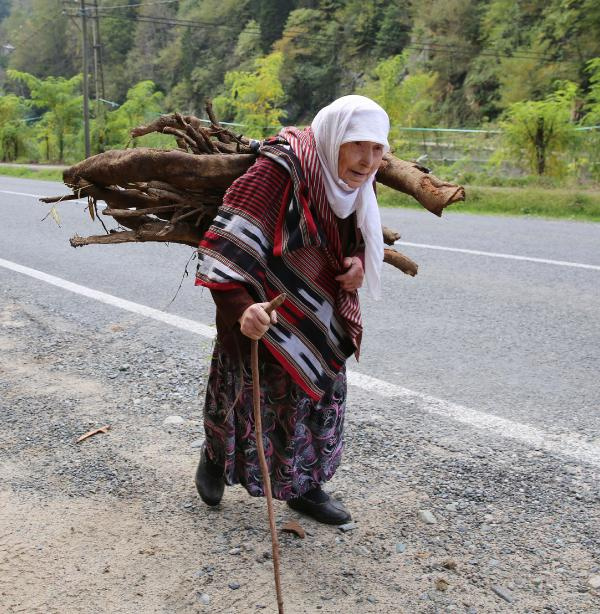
(526, 73)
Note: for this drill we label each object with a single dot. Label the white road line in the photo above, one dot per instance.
(476, 252)
(38, 196)
(162, 316)
(568, 444)
(21, 194)
(473, 252)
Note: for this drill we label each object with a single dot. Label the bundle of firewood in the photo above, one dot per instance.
(173, 195)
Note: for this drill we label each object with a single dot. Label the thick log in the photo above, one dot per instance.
(427, 189)
(400, 261)
(182, 170)
(185, 171)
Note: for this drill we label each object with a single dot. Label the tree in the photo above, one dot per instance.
(249, 45)
(143, 104)
(255, 98)
(45, 42)
(591, 137)
(449, 36)
(149, 39)
(394, 30)
(540, 130)
(59, 100)
(592, 102)
(407, 98)
(271, 17)
(15, 134)
(310, 72)
(198, 57)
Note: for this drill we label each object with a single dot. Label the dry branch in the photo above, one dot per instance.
(182, 190)
(408, 177)
(389, 236)
(400, 261)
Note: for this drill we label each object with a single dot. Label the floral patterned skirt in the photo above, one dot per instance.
(303, 439)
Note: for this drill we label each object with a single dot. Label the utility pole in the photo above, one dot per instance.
(98, 69)
(98, 78)
(86, 109)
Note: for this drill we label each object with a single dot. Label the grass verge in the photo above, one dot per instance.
(45, 174)
(563, 203)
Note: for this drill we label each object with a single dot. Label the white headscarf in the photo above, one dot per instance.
(354, 118)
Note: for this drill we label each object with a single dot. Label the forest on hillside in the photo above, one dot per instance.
(528, 70)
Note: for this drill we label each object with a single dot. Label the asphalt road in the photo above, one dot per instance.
(515, 339)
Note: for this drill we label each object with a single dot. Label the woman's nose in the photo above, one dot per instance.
(366, 157)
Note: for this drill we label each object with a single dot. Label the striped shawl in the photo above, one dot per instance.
(290, 244)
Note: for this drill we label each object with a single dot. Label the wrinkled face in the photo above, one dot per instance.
(357, 161)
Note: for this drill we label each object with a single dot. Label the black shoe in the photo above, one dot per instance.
(209, 479)
(319, 505)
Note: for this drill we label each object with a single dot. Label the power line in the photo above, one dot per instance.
(202, 23)
(128, 6)
(417, 45)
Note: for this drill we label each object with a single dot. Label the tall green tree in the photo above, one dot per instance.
(116, 34)
(591, 137)
(45, 41)
(538, 132)
(143, 104)
(255, 98)
(144, 57)
(592, 102)
(447, 42)
(198, 57)
(60, 102)
(15, 133)
(310, 73)
(407, 97)
(393, 33)
(271, 17)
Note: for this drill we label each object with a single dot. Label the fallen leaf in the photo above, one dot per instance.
(102, 429)
(294, 527)
(91, 208)
(55, 216)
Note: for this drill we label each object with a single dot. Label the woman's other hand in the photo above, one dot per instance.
(353, 278)
(255, 321)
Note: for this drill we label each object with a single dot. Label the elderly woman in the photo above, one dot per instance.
(303, 220)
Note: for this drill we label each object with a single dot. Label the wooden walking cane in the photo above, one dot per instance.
(274, 304)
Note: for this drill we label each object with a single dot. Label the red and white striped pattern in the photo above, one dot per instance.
(303, 144)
